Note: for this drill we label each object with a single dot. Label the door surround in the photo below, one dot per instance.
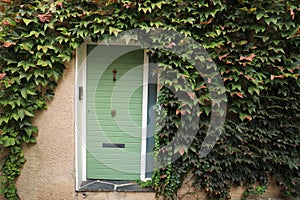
(80, 109)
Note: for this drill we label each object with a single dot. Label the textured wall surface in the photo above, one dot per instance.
(49, 172)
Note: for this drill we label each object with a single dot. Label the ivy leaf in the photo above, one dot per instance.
(15, 116)
(191, 95)
(10, 61)
(248, 58)
(7, 141)
(181, 151)
(25, 64)
(32, 140)
(261, 15)
(27, 21)
(35, 33)
(64, 57)
(38, 73)
(114, 31)
(28, 113)
(244, 116)
(44, 63)
(21, 113)
(24, 93)
(30, 130)
(2, 75)
(145, 10)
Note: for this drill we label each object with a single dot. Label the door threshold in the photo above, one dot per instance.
(112, 185)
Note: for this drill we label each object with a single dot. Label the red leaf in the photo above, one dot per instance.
(272, 77)
(239, 94)
(128, 5)
(18, 20)
(6, 1)
(248, 117)
(163, 176)
(223, 56)
(191, 95)
(279, 76)
(8, 44)
(181, 112)
(201, 87)
(2, 75)
(228, 62)
(181, 151)
(44, 17)
(247, 77)
(59, 4)
(292, 13)
(208, 80)
(208, 22)
(170, 46)
(6, 22)
(249, 58)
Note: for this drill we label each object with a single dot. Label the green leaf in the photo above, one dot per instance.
(7, 141)
(31, 92)
(32, 140)
(114, 31)
(145, 10)
(35, 33)
(44, 63)
(65, 57)
(21, 113)
(253, 89)
(30, 130)
(4, 119)
(261, 15)
(25, 64)
(10, 61)
(55, 75)
(24, 93)
(271, 19)
(15, 116)
(38, 72)
(264, 38)
(28, 113)
(27, 21)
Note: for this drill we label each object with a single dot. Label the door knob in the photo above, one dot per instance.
(113, 113)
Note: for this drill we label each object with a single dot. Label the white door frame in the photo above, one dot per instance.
(80, 109)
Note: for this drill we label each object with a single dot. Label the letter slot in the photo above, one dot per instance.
(113, 145)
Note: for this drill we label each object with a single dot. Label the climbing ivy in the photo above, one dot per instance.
(255, 45)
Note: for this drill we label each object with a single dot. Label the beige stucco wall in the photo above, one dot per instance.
(49, 172)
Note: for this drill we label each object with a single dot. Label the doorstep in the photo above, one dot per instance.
(111, 185)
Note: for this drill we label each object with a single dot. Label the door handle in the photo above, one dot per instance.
(114, 71)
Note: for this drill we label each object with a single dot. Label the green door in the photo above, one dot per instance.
(114, 112)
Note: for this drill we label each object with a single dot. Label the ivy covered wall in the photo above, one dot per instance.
(255, 45)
